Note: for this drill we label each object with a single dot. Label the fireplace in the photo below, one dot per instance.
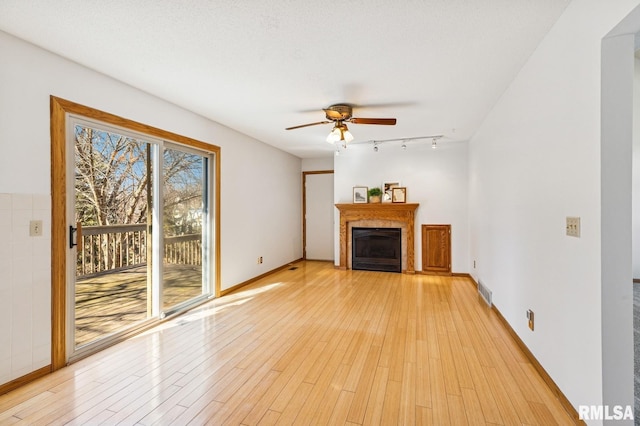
(376, 249)
(377, 215)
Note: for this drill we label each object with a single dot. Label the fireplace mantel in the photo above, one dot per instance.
(397, 212)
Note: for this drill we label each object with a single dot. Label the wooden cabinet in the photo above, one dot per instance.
(436, 248)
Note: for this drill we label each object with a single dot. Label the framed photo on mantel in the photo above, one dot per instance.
(399, 195)
(387, 190)
(360, 194)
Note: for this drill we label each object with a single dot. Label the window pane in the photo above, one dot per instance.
(184, 227)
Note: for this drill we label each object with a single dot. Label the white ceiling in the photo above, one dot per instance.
(438, 66)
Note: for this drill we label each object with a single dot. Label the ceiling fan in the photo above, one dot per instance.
(341, 114)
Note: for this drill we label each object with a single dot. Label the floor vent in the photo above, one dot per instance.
(484, 292)
(293, 268)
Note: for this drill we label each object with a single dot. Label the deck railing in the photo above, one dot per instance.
(110, 248)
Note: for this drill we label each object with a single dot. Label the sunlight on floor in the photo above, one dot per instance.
(212, 308)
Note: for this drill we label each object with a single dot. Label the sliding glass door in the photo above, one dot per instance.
(139, 229)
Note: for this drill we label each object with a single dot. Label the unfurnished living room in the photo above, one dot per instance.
(357, 212)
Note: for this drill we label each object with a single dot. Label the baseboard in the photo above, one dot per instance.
(259, 277)
(21, 381)
(462, 275)
(564, 401)
(435, 273)
(445, 274)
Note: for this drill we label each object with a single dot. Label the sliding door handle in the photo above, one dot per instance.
(77, 232)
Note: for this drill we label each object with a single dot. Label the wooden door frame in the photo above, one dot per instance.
(59, 110)
(304, 206)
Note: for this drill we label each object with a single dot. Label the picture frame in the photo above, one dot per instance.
(360, 194)
(387, 190)
(399, 194)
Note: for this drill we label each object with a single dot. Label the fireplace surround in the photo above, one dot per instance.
(378, 215)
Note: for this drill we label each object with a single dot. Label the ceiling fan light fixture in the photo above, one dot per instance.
(346, 135)
(339, 133)
(334, 135)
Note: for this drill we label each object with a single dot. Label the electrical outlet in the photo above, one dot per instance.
(573, 227)
(530, 318)
(35, 228)
(260, 260)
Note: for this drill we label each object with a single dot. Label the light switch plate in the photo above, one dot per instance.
(35, 228)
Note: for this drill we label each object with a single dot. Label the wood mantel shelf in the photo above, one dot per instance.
(396, 212)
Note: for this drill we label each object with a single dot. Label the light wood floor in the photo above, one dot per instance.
(307, 346)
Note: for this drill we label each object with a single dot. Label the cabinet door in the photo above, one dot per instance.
(436, 248)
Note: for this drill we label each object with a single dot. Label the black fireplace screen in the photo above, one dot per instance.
(376, 249)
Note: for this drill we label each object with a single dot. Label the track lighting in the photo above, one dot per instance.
(340, 129)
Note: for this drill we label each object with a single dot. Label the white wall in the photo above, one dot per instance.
(536, 160)
(260, 194)
(436, 179)
(317, 164)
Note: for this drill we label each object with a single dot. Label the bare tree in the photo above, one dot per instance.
(113, 180)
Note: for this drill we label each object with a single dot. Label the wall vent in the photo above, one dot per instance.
(484, 292)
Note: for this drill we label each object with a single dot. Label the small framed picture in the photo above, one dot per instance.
(360, 194)
(399, 195)
(387, 190)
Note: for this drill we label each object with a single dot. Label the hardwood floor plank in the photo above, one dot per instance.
(457, 414)
(270, 418)
(12, 412)
(423, 416)
(391, 406)
(440, 406)
(289, 390)
(423, 387)
(373, 414)
(449, 372)
(472, 407)
(407, 413)
(542, 414)
(507, 410)
(330, 399)
(550, 401)
(291, 410)
(341, 409)
(253, 392)
(363, 389)
(100, 401)
(460, 362)
(490, 409)
(312, 345)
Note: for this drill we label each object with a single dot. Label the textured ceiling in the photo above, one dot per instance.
(438, 66)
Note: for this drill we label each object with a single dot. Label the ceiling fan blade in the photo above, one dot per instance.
(383, 121)
(307, 125)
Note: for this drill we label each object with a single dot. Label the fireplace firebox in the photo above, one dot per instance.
(376, 249)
